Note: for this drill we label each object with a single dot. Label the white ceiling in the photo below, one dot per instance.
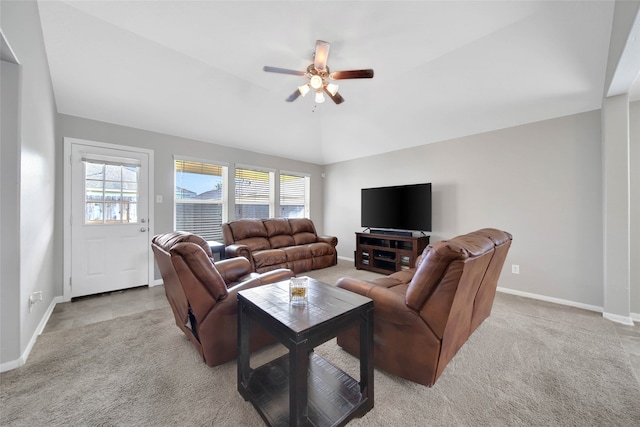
(442, 69)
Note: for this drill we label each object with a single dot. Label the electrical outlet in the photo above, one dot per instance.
(35, 298)
(515, 268)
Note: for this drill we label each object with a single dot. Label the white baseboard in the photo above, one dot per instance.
(625, 320)
(156, 282)
(633, 317)
(13, 364)
(551, 299)
(7, 366)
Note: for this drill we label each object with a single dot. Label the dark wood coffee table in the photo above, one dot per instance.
(302, 388)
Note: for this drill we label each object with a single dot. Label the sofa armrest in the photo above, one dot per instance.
(332, 240)
(233, 269)
(239, 250)
(387, 305)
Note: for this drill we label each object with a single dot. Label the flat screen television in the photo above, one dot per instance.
(401, 207)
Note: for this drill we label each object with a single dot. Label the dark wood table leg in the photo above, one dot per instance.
(366, 357)
(298, 393)
(244, 338)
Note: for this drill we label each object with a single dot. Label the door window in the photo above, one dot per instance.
(111, 192)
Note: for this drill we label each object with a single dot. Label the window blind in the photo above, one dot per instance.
(199, 202)
(293, 196)
(253, 193)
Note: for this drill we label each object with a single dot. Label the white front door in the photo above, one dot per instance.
(110, 233)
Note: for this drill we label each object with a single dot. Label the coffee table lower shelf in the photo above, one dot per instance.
(334, 397)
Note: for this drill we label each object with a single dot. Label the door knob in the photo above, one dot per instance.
(143, 229)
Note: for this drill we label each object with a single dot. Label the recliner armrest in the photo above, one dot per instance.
(388, 305)
(269, 277)
(233, 269)
(355, 285)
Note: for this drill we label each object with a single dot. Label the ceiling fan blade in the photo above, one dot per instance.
(321, 55)
(337, 98)
(283, 71)
(352, 74)
(293, 96)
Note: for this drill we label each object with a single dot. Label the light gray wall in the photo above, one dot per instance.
(634, 156)
(9, 211)
(20, 24)
(540, 181)
(616, 205)
(166, 147)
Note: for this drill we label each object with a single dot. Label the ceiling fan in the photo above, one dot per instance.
(319, 75)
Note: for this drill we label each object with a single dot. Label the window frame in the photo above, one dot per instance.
(307, 191)
(224, 199)
(271, 187)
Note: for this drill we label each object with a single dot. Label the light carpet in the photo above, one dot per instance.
(530, 364)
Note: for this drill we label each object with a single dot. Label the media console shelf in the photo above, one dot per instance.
(387, 253)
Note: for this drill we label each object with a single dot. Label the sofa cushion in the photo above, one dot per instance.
(278, 232)
(246, 228)
(301, 265)
(302, 225)
(296, 253)
(277, 226)
(269, 257)
(281, 241)
(319, 249)
(304, 238)
(255, 243)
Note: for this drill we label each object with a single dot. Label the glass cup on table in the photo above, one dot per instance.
(298, 290)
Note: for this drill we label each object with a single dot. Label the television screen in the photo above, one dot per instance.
(402, 207)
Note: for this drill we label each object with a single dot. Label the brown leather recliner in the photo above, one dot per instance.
(424, 315)
(203, 294)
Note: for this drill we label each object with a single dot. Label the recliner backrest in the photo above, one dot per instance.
(192, 283)
(167, 240)
(450, 270)
(201, 268)
(435, 259)
(486, 293)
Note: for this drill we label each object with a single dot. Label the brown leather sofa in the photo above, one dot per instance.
(203, 294)
(424, 315)
(280, 243)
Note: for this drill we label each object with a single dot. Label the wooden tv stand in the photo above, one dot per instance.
(387, 253)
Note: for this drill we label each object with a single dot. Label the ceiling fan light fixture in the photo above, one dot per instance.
(304, 89)
(319, 75)
(332, 89)
(316, 82)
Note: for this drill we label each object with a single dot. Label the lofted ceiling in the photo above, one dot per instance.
(442, 69)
